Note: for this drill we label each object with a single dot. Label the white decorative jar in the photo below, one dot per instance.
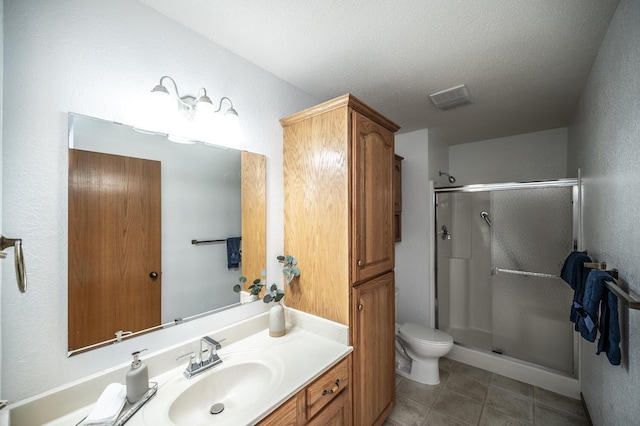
(276, 321)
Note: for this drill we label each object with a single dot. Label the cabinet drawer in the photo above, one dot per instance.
(326, 388)
(337, 413)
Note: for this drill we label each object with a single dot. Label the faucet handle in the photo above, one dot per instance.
(213, 343)
(212, 347)
(193, 365)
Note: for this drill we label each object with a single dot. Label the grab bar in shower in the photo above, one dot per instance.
(525, 273)
(626, 298)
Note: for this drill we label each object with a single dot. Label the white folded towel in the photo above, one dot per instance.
(108, 407)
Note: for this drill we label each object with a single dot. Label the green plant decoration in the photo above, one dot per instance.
(290, 270)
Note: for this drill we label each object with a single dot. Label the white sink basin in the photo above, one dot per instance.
(242, 379)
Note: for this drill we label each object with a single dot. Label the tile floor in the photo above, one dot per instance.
(470, 396)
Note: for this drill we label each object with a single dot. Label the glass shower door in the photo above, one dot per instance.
(498, 253)
(532, 234)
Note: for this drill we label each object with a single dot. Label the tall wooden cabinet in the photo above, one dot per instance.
(339, 211)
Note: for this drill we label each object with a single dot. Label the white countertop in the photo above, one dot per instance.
(311, 346)
(305, 356)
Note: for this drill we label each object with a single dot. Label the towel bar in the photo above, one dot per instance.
(626, 298)
(528, 274)
(602, 266)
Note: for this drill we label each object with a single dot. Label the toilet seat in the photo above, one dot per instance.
(423, 334)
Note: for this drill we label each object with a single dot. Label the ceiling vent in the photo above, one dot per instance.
(451, 98)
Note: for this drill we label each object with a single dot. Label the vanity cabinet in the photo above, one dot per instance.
(326, 401)
(339, 215)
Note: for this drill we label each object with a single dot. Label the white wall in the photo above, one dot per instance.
(99, 58)
(412, 253)
(531, 156)
(438, 160)
(604, 141)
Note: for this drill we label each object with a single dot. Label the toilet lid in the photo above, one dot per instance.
(423, 333)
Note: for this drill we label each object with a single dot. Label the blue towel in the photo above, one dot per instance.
(234, 255)
(596, 295)
(609, 341)
(575, 274)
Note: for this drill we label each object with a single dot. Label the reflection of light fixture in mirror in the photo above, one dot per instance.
(200, 109)
(180, 139)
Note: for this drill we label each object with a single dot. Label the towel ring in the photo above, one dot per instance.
(18, 255)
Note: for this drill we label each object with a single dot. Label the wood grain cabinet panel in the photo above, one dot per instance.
(339, 222)
(397, 198)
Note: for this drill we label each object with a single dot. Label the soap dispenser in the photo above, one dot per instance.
(137, 379)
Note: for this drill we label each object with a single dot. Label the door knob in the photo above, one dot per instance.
(153, 275)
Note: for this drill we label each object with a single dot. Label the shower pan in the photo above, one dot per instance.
(497, 284)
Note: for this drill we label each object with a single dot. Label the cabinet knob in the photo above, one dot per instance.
(360, 307)
(153, 275)
(360, 263)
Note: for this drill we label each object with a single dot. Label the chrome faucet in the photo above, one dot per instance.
(201, 364)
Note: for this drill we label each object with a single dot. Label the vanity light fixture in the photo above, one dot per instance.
(199, 108)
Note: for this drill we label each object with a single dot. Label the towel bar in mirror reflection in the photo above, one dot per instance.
(220, 240)
(165, 193)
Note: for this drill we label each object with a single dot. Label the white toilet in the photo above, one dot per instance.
(418, 350)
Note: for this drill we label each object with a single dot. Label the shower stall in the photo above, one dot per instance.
(499, 249)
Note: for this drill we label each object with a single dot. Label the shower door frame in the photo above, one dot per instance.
(486, 187)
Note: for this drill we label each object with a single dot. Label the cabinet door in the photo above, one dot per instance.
(397, 183)
(291, 413)
(373, 350)
(372, 189)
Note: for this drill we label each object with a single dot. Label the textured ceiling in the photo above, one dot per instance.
(525, 62)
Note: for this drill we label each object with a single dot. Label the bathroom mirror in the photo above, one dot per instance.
(155, 229)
